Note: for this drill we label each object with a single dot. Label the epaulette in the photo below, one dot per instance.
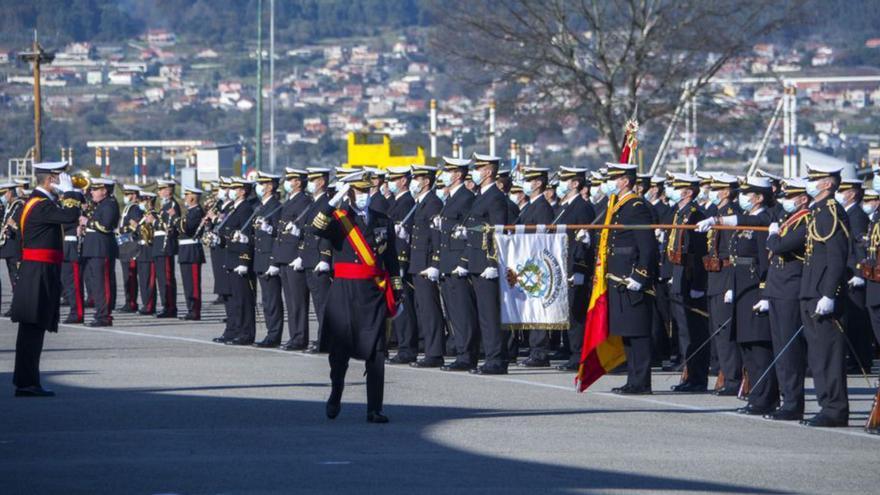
(637, 203)
(831, 202)
(321, 221)
(70, 203)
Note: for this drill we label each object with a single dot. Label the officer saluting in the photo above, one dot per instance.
(190, 254)
(36, 301)
(100, 250)
(363, 292)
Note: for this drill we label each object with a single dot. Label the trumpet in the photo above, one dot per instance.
(81, 180)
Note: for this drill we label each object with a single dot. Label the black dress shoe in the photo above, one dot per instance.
(126, 309)
(218, 301)
(264, 344)
(689, 388)
(8, 313)
(753, 410)
(35, 391)
(785, 415)
(167, 314)
(727, 391)
(559, 356)
(636, 391)
(489, 370)
(457, 366)
(99, 323)
(220, 340)
(145, 312)
(435, 362)
(821, 421)
(568, 366)
(190, 317)
(239, 341)
(72, 320)
(313, 349)
(333, 409)
(535, 363)
(376, 417)
(288, 346)
(401, 359)
(620, 390)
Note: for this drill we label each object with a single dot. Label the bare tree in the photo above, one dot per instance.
(602, 60)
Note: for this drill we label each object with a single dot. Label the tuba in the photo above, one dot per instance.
(81, 180)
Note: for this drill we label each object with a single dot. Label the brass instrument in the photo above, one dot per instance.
(81, 180)
(212, 205)
(145, 229)
(10, 213)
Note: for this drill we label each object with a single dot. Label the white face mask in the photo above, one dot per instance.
(789, 205)
(610, 187)
(393, 187)
(714, 198)
(441, 193)
(143, 207)
(513, 197)
(311, 187)
(361, 200)
(838, 196)
(415, 188)
(745, 202)
(126, 200)
(675, 195)
(477, 177)
(703, 196)
(260, 189)
(813, 188)
(596, 194)
(868, 208)
(288, 187)
(527, 188)
(562, 189)
(446, 177)
(875, 182)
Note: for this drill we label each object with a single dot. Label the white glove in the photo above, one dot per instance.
(460, 272)
(239, 237)
(825, 306)
(696, 294)
(729, 220)
(241, 270)
(400, 230)
(459, 232)
(266, 227)
(435, 222)
(272, 271)
(583, 236)
(632, 284)
(431, 274)
(728, 297)
(490, 273)
(294, 230)
(576, 279)
(297, 264)
(706, 225)
(774, 229)
(856, 282)
(660, 234)
(322, 267)
(340, 195)
(762, 306)
(64, 183)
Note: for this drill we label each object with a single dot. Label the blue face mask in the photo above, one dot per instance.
(703, 195)
(361, 200)
(288, 187)
(441, 193)
(674, 195)
(311, 188)
(527, 188)
(476, 177)
(745, 202)
(813, 188)
(875, 182)
(562, 189)
(868, 208)
(393, 187)
(415, 188)
(260, 189)
(713, 197)
(789, 205)
(446, 177)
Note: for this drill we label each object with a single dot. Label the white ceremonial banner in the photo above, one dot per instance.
(534, 279)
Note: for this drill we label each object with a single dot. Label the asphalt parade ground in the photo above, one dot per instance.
(153, 406)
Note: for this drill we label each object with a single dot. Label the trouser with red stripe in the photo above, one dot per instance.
(72, 283)
(130, 283)
(167, 283)
(191, 273)
(99, 279)
(146, 275)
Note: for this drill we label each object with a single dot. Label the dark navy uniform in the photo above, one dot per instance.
(428, 308)
(241, 304)
(128, 253)
(10, 250)
(37, 297)
(265, 229)
(164, 251)
(314, 249)
(632, 254)
(827, 248)
(146, 264)
(191, 257)
(456, 292)
(488, 209)
(218, 252)
(664, 334)
(869, 269)
(99, 252)
(405, 326)
(855, 317)
(356, 326)
(719, 265)
(685, 250)
(577, 211)
(293, 282)
(537, 212)
(71, 268)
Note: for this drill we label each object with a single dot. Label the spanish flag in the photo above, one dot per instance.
(601, 352)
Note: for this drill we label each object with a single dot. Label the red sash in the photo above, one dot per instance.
(367, 269)
(39, 255)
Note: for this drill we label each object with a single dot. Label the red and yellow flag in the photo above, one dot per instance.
(601, 352)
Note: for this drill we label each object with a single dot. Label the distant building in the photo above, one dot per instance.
(873, 43)
(95, 77)
(161, 37)
(377, 150)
